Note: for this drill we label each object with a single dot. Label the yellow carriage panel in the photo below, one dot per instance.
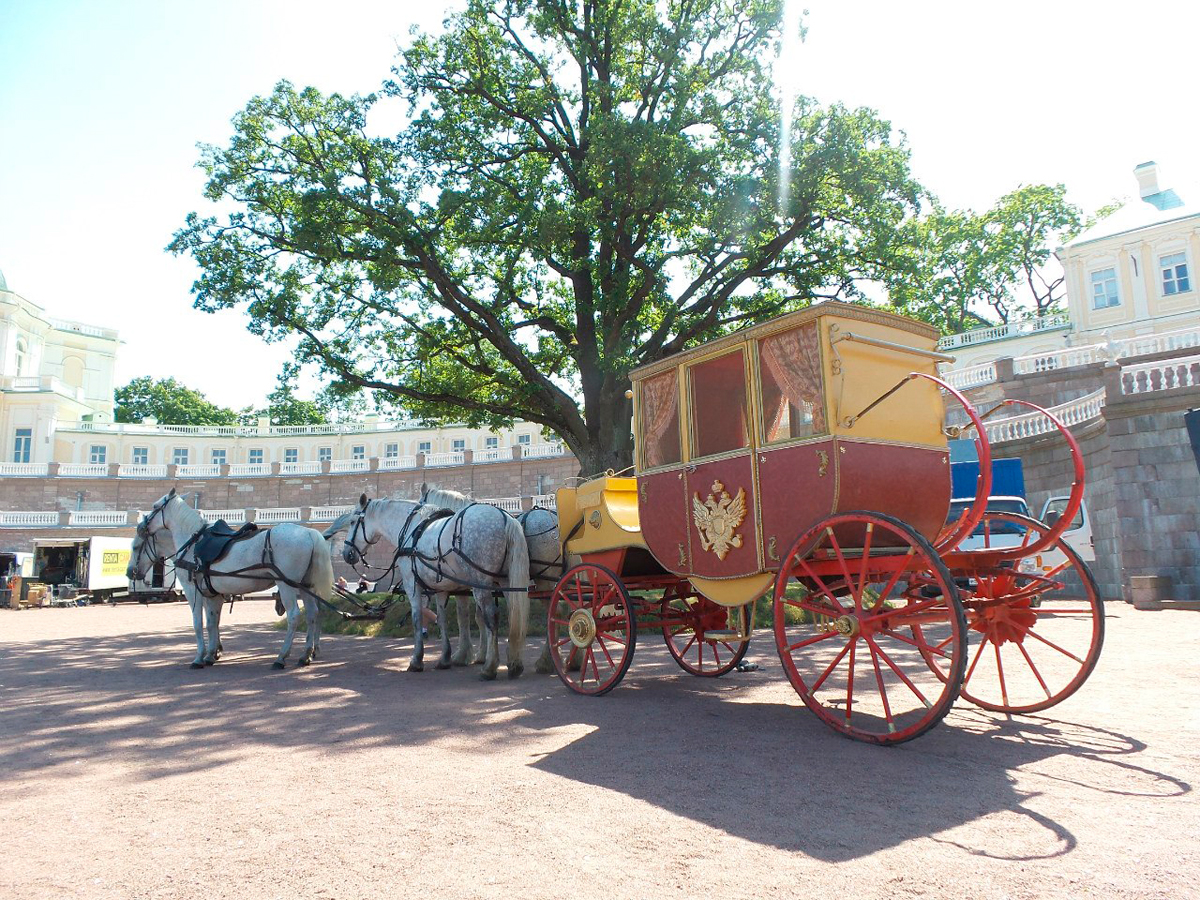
(599, 515)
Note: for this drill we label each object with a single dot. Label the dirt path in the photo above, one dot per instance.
(127, 774)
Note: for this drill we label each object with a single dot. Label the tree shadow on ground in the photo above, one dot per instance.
(710, 751)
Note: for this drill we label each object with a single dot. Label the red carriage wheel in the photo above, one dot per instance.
(848, 596)
(591, 629)
(701, 634)
(1035, 627)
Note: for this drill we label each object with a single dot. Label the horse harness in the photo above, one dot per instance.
(406, 548)
(547, 565)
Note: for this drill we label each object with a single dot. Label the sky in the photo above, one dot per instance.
(102, 106)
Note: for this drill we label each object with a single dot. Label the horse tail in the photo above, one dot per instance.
(518, 580)
(319, 576)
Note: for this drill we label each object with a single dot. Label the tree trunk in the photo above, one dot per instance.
(609, 443)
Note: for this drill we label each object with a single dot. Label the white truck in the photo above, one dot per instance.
(1007, 534)
(88, 569)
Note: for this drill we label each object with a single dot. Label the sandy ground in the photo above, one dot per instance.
(127, 774)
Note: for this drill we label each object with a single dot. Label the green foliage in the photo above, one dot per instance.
(285, 408)
(578, 189)
(170, 402)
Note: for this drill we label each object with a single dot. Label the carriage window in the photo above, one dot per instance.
(717, 389)
(658, 399)
(790, 371)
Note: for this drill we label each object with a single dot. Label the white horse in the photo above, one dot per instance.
(479, 548)
(540, 526)
(294, 559)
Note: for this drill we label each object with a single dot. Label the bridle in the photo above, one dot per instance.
(355, 557)
(149, 545)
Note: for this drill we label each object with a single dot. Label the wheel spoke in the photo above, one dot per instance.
(887, 707)
(978, 653)
(891, 583)
(875, 648)
(607, 655)
(850, 681)
(1049, 643)
(1000, 672)
(924, 647)
(1034, 669)
(829, 669)
(862, 568)
(823, 636)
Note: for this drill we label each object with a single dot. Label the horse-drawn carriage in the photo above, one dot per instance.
(808, 457)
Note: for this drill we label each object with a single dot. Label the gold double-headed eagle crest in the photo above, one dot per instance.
(717, 517)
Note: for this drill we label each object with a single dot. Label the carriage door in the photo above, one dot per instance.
(795, 454)
(662, 487)
(721, 495)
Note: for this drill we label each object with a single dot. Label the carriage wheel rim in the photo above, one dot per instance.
(688, 642)
(591, 629)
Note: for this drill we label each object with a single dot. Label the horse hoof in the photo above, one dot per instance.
(416, 667)
(278, 664)
(208, 660)
(515, 670)
(443, 665)
(198, 665)
(303, 661)
(543, 668)
(487, 676)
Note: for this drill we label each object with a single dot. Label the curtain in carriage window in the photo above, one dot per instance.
(793, 398)
(659, 402)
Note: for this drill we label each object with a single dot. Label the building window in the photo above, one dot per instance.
(23, 445)
(358, 451)
(179, 456)
(22, 352)
(524, 439)
(97, 454)
(256, 456)
(1174, 274)
(492, 443)
(458, 445)
(218, 456)
(425, 447)
(324, 454)
(391, 451)
(141, 456)
(1104, 289)
(291, 454)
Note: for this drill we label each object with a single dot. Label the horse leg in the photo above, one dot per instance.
(196, 602)
(310, 636)
(220, 646)
(212, 609)
(417, 663)
(486, 601)
(481, 652)
(463, 654)
(288, 596)
(444, 626)
(314, 626)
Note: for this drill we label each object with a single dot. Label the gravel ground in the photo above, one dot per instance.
(127, 774)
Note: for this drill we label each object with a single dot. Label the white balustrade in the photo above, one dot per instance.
(434, 460)
(492, 454)
(275, 516)
(300, 468)
(342, 466)
(83, 470)
(1000, 332)
(973, 376)
(109, 518)
(538, 451)
(200, 470)
(329, 513)
(1183, 339)
(1032, 424)
(141, 471)
(232, 516)
(24, 470)
(508, 504)
(1033, 363)
(12, 519)
(249, 470)
(391, 463)
(1162, 375)
(546, 501)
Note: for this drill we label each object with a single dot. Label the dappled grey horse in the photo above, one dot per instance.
(478, 548)
(292, 558)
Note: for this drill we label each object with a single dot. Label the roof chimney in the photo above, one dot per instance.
(1147, 177)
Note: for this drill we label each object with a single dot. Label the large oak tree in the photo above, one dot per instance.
(577, 188)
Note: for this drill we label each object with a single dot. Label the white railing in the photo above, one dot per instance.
(233, 430)
(433, 460)
(1032, 363)
(537, 451)
(546, 501)
(27, 519)
(249, 470)
(492, 454)
(141, 471)
(341, 466)
(83, 470)
(1183, 339)
(24, 470)
(274, 516)
(390, 463)
(300, 468)
(1161, 376)
(232, 516)
(328, 513)
(41, 383)
(973, 376)
(1000, 332)
(1027, 425)
(111, 518)
(81, 328)
(508, 504)
(199, 470)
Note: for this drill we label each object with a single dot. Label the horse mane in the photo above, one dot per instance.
(187, 516)
(447, 499)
